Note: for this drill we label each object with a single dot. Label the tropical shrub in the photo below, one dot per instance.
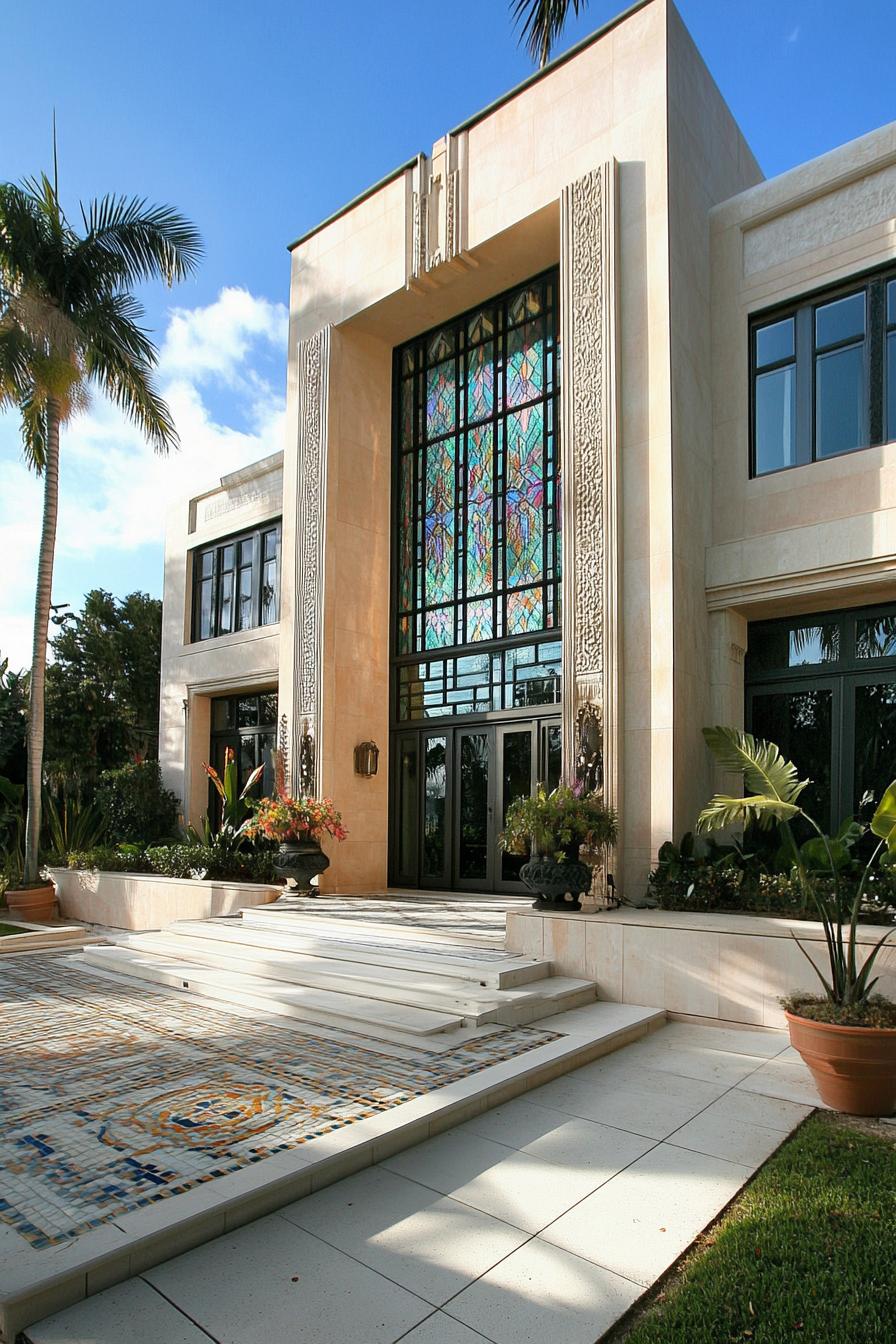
(109, 859)
(185, 860)
(135, 804)
(558, 823)
(772, 791)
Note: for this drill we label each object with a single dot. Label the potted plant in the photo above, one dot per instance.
(553, 827)
(297, 824)
(847, 1034)
(34, 902)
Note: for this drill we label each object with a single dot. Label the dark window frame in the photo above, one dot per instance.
(802, 310)
(233, 736)
(843, 675)
(254, 537)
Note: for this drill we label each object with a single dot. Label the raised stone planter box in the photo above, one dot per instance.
(147, 901)
(730, 967)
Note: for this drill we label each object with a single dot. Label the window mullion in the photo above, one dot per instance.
(805, 386)
(874, 362)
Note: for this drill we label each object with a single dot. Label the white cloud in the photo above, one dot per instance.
(114, 491)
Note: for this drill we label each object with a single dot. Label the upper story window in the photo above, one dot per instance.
(824, 376)
(236, 583)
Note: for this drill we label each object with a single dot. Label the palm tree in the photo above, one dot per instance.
(541, 23)
(69, 322)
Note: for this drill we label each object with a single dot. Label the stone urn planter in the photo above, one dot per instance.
(558, 883)
(35, 904)
(298, 862)
(854, 1068)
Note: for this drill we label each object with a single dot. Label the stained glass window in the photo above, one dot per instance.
(477, 488)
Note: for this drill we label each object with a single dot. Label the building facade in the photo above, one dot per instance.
(589, 445)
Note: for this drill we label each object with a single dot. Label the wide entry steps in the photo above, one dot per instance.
(338, 973)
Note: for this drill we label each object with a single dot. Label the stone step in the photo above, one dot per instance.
(372, 929)
(414, 989)
(318, 1006)
(505, 971)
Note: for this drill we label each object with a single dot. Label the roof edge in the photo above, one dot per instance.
(480, 115)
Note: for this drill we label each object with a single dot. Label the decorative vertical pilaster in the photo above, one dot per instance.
(308, 578)
(589, 477)
(437, 211)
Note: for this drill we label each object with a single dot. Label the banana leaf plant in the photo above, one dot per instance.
(772, 792)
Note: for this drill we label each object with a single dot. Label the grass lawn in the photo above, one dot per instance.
(806, 1253)
(6, 929)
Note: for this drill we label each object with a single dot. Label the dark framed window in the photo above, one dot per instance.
(236, 583)
(824, 688)
(247, 725)
(823, 375)
(477, 512)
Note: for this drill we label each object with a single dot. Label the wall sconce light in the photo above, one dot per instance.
(367, 755)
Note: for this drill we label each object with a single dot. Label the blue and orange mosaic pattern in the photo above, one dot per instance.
(114, 1096)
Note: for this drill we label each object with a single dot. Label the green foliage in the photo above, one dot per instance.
(103, 688)
(876, 1011)
(13, 722)
(819, 874)
(135, 805)
(211, 861)
(805, 1252)
(557, 823)
(109, 859)
(185, 860)
(70, 824)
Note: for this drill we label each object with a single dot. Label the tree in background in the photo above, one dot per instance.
(13, 722)
(103, 688)
(69, 322)
(541, 22)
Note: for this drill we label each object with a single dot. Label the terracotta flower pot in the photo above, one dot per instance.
(854, 1068)
(36, 905)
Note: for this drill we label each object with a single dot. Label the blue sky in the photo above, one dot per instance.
(259, 120)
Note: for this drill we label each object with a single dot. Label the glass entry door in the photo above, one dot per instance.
(451, 791)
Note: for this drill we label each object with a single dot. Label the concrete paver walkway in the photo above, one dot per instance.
(543, 1219)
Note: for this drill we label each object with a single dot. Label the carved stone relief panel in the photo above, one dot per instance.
(590, 482)
(308, 576)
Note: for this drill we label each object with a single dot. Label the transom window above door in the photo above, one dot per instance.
(823, 376)
(477, 520)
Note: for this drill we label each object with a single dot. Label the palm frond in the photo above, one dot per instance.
(541, 22)
(128, 383)
(33, 412)
(764, 768)
(146, 241)
(723, 811)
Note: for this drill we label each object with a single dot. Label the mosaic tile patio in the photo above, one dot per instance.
(115, 1095)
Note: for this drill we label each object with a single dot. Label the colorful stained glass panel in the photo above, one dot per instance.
(440, 627)
(525, 363)
(480, 382)
(440, 388)
(480, 620)
(406, 536)
(480, 510)
(480, 326)
(407, 413)
(525, 304)
(439, 523)
(525, 611)
(524, 496)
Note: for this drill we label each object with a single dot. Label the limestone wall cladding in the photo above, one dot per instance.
(140, 901)
(192, 673)
(823, 534)
(357, 276)
(733, 968)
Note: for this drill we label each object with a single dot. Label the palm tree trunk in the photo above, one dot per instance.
(42, 601)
